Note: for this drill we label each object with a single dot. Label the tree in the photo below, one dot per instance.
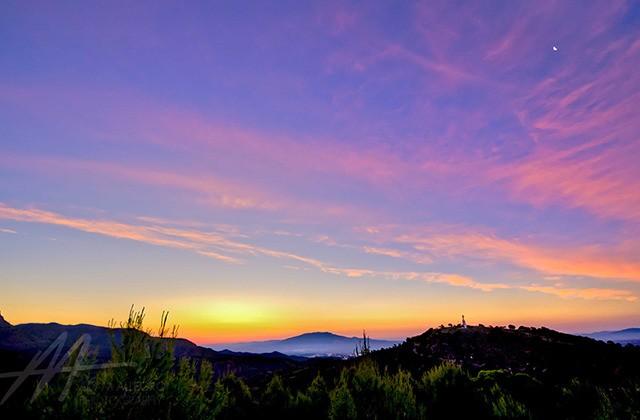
(443, 388)
(399, 400)
(231, 398)
(342, 405)
(276, 399)
(318, 398)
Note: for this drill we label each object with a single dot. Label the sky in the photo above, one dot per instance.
(263, 169)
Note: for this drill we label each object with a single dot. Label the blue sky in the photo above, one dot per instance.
(263, 170)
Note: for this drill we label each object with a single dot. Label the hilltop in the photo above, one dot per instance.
(540, 352)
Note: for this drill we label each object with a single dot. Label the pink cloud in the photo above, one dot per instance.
(599, 261)
(588, 293)
(586, 130)
(395, 253)
(218, 246)
(561, 114)
(210, 189)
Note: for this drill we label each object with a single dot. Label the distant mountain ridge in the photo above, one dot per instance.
(19, 343)
(313, 344)
(625, 336)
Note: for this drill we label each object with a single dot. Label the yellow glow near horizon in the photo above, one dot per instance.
(237, 312)
(234, 317)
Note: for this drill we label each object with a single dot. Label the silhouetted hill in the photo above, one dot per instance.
(30, 338)
(546, 354)
(313, 344)
(20, 342)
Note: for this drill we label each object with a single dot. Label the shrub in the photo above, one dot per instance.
(399, 399)
(443, 388)
(151, 386)
(231, 398)
(318, 395)
(342, 404)
(275, 401)
(501, 404)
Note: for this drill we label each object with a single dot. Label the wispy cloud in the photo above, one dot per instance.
(209, 244)
(583, 129)
(208, 189)
(589, 293)
(605, 262)
(396, 253)
(220, 247)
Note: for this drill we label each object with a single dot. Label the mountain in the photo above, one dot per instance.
(314, 344)
(626, 336)
(19, 343)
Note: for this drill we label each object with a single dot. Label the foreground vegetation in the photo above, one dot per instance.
(155, 385)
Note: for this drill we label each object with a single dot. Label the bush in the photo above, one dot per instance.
(342, 404)
(400, 400)
(276, 399)
(316, 402)
(150, 386)
(231, 399)
(501, 404)
(443, 388)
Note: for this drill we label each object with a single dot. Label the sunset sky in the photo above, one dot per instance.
(262, 169)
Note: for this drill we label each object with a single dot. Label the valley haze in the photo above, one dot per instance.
(313, 344)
